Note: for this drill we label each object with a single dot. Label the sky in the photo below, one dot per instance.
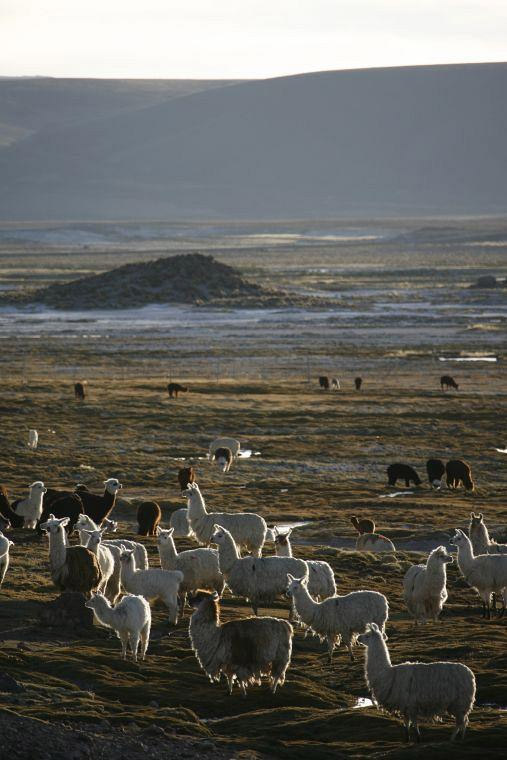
(243, 38)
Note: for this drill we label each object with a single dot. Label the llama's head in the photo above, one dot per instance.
(219, 535)
(110, 525)
(371, 634)
(294, 585)
(54, 525)
(282, 539)
(476, 520)
(112, 485)
(96, 600)
(95, 537)
(459, 538)
(164, 537)
(37, 488)
(440, 554)
(126, 555)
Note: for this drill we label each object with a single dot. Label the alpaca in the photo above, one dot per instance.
(130, 619)
(149, 515)
(244, 649)
(435, 469)
(417, 690)
(479, 536)
(223, 458)
(404, 472)
(324, 382)
(16, 521)
(79, 391)
(186, 475)
(174, 388)
(31, 507)
(458, 472)
(33, 439)
(73, 568)
(424, 586)
(358, 381)
(448, 382)
(365, 525)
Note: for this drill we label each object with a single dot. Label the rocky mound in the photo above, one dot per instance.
(187, 279)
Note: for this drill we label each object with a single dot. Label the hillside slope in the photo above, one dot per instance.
(397, 141)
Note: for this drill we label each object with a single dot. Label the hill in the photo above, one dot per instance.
(29, 105)
(182, 279)
(392, 142)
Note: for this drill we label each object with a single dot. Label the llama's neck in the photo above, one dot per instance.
(196, 505)
(35, 499)
(377, 662)
(108, 501)
(227, 554)
(57, 548)
(104, 612)
(204, 632)
(128, 569)
(283, 550)
(465, 556)
(168, 553)
(436, 568)
(480, 539)
(93, 546)
(306, 607)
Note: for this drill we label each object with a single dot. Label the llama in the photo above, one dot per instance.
(364, 525)
(487, 573)
(335, 384)
(417, 690)
(130, 619)
(73, 568)
(5, 546)
(199, 566)
(33, 439)
(223, 457)
(424, 586)
(324, 382)
(152, 583)
(358, 381)
(186, 475)
(6, 511)
(243, 650)
(479, 536)
(404, 472)
(226, 443)
(446, 382)
(149, 515)
(458, 472)
(339, 617)
(79, 391)
(374, 542)
(109, 562)
(174, 388)
(321, 582)
(435, 469)
(31, 507)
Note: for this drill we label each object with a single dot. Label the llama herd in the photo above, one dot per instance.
(115, 576)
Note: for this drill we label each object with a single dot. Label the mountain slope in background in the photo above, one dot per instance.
(28, 105)
(397, 141)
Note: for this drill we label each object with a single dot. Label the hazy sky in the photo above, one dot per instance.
(243, 38)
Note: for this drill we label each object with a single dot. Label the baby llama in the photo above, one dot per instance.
(130, 619)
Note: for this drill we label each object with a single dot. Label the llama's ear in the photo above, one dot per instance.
(51, 517)
(290, 577)
(480, 515)
(374, 627)
(170, 531)
(288, 533)
(215, 596)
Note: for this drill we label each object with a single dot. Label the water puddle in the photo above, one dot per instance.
(502, 451)
(396, 493)
(291, 525)
(467, 359)
(247, 453)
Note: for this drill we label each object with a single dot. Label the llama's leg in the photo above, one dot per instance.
(330, 648)
(407, 483)
(124, 638)
(145, 637)
(134, 643)
(406, 725)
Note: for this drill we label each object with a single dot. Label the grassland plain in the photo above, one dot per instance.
(323, 458)
(402, 304)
